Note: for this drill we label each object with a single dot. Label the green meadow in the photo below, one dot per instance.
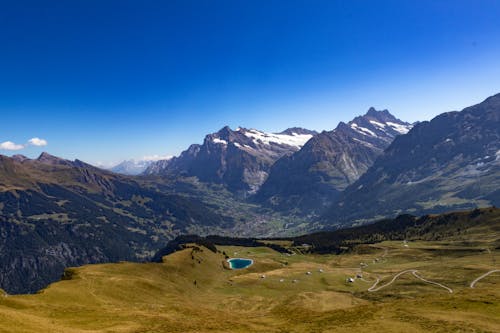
(194, 291)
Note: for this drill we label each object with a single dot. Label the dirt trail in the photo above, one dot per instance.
(414, 272)
(432, 282)
(374, 286)
(473, 283)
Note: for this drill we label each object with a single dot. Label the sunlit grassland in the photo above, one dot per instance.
(192, 291)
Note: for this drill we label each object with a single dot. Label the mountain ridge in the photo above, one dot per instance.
(56, 213)
(308, 180)
(71, 213)
(450, 162)
(239, 159)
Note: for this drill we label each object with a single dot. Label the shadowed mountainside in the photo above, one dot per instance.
(308, 181)
(451, 162)
(56, 213)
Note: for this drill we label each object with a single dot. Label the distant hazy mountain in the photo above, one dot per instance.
(132, 167)
(240, 159)
(450, 162)
(56, 213)
(310, 179)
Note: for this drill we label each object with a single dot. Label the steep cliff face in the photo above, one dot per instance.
(450, 162)
(310, 179)
(239, 159)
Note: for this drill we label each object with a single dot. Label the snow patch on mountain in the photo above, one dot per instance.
(377, 124)
(362, 130)
(403, 129)
(220, 141)
(294, 140)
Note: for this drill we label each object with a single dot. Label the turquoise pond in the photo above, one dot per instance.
(239, 263)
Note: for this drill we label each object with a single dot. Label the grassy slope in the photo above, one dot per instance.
(130, 297)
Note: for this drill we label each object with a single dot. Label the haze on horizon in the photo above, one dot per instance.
(113, 80)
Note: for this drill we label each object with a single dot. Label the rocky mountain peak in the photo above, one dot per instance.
(19, 158)
(379, 114)
(222, 137)
(372, 111)
(298, 131)
(239, 159)
(378, 124)
(44, 156)
(47, 158)
(224, 132)
(448, 163)
(309, 179)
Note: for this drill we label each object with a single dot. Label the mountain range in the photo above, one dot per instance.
(308, 180)
(239, 159)
(56, 213)
(131, 167)
(451, 162)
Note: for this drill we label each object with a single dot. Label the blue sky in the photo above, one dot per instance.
(104, 81)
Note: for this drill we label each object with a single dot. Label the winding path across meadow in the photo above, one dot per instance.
(432, 282)
(414, 272)
(473, 283)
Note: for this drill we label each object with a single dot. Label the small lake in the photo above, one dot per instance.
(239, 263)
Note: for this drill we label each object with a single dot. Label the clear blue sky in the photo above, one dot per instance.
(107, 80)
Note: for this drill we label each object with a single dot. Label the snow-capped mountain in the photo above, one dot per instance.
(311, 178)
(239, 159)
(449, 163)
(136, 167)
